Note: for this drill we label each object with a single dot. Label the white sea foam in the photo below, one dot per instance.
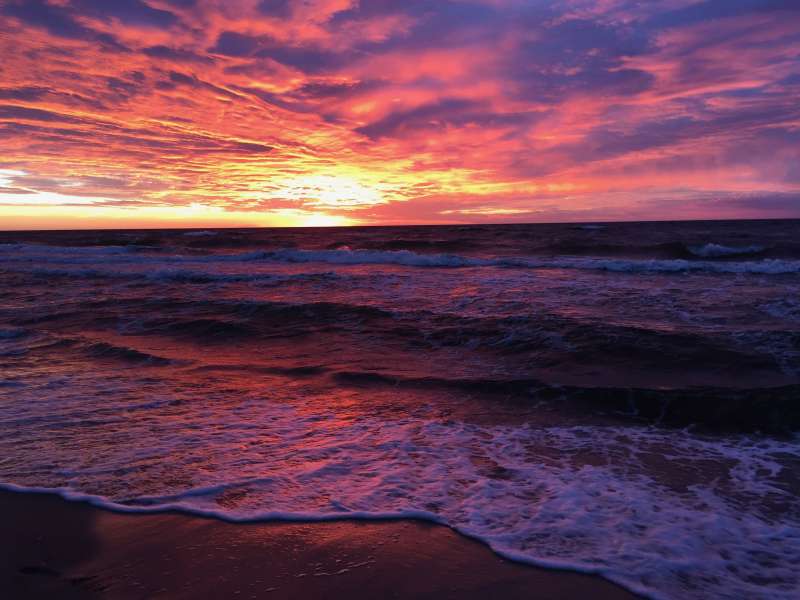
(408, 258)
(712, 250)
(372, 257)
(760, 267)
(583, 498)
(38, 254)
(200, 233)
(784, 308)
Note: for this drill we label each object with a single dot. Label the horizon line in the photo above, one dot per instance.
(409, 225)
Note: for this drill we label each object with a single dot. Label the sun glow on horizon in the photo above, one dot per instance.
(90, 216)
(329, 191)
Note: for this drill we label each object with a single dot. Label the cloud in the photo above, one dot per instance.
(231, 43)
(275, 8)
(709, 10)
(28, 94)
(176, 54)
(437, 117)
(34, 114)
(55, 19)
(127, 11)
(453, 110)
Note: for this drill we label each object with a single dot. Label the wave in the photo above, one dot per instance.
(718, 251)
(762, 267)
(407, 258)
(666, 250)
(415, 245)
(301, 371)
(165, 504)
(227, 321)
(103, 351)
(413, 259)
(370, 257)
(543, 341)
(589, 227)
(107, 351)
(183, 276)
(200, 233)
(767, 409)
(208, 319)
(12, 334)
(205, 330)
(19, 249)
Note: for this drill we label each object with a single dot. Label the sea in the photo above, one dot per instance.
(613, 398)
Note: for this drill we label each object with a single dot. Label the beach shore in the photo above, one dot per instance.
(55, 548)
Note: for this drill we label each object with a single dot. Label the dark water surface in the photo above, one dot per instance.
(619, 398)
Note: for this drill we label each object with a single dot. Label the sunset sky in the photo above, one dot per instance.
(324, 112)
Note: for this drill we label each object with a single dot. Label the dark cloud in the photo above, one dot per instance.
(769, 202)
(732, 137)
(176, 54)
(428, 116)
(442, 114)
(124, 88)
(12, 130)
(574, 42)
(325, 90)
(275, 8)
(133, 12)
(250, 147)
(34, 114)
(307, 59)
(28, 93)
(445, 21)
(177, 78)
(710, 10)
(578, 56)
(231, 43)
(555, 87)
(55, 19)
(605, 142)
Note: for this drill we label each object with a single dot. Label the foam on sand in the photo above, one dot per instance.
(579, 498)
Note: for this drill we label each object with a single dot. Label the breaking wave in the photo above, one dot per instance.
(106, 351)
(718, 250)
(713, 408)
(413, 259)
(30, 253)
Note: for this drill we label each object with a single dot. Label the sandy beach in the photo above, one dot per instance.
(59, 549)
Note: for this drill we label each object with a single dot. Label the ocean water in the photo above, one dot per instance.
(621, 399)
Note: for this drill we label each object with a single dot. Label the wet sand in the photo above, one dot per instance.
(53, 548)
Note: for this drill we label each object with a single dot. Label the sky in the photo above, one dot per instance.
(147, 113)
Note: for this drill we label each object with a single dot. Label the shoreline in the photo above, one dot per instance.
(71, 549)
